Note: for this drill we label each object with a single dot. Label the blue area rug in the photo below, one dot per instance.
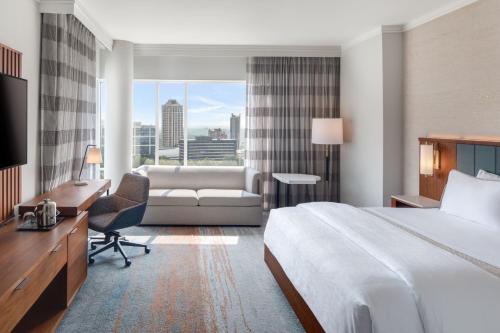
(196, 279)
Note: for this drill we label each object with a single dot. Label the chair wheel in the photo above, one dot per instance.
(128, 263)
(147, 250)
(91, 260)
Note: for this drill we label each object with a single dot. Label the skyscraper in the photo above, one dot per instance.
(172, 119)
(234, 129)
(144, 140)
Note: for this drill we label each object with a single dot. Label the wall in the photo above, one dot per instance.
(20, 29)
(392, 62)
(452, 79)
(119, 74)
(372, 106)
(361, 99)
(189, 68)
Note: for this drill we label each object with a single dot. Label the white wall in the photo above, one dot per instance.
(361, 105)
(119, 69)
(189, 68)
(20, 29)
(372, 105)
(392, 54)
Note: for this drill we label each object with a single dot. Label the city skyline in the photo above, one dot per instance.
(209, 103)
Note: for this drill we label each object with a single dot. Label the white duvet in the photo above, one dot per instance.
(359, 273)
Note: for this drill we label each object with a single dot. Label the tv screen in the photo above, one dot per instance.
(13, 121)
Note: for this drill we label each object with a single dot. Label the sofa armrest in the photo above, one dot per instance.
(252, 180)
(141, 170)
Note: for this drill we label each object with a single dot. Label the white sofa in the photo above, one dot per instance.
(192, 195)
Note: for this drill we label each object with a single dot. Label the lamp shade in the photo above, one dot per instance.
(327, 131)
(94, 156)
(427, 159)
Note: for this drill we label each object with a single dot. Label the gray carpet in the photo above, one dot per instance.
(208, 279)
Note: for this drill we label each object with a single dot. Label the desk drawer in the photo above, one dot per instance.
(28, 289)
(77, 258)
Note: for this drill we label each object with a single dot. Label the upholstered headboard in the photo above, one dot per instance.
(473, 157)
(467, 156)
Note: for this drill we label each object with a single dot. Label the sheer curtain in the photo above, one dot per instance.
(283, 95)
(68, 97)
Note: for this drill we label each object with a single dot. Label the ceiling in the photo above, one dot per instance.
(253, 22)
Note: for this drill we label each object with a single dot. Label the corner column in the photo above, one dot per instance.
(119, 76)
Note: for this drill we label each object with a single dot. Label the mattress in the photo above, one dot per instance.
(360, 271)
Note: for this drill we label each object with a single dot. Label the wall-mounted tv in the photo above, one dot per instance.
(13, 121)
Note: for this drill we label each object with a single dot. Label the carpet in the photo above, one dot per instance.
(196, 279)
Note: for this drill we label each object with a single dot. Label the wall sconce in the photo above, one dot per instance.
(429, 159)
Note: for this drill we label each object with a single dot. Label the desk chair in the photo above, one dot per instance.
(125, 208)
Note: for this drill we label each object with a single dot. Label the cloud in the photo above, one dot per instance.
(210, 105)
(205, 109)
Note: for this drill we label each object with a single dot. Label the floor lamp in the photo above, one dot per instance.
(327, 131)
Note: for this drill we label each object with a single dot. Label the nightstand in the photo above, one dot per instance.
(413, 201)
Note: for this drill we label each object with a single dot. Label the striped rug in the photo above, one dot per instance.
(196, 279)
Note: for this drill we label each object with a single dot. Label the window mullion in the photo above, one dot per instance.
(185, 123)
(157, 125)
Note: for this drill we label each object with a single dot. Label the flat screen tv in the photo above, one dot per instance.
(13, 121)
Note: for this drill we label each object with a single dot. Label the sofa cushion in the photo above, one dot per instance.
(177, 197)
(194, 177)
(232, 198)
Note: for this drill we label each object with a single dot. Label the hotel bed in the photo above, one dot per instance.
(347, 269)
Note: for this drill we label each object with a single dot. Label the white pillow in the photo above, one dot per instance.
(472, 199)
(487, 175)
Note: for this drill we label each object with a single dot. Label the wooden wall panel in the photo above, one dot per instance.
(10, 179)
(433, 186)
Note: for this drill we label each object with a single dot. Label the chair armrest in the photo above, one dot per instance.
(252, 180)
(103, 205)
(129, 217)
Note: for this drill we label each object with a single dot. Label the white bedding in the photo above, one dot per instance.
(476, 240)
(359, 273)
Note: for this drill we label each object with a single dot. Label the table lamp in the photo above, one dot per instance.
(92, 156)
(327, 131)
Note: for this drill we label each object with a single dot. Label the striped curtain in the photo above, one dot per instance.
(283, 95)
(68, 97)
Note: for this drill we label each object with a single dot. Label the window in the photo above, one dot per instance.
(189, 123)
(144, 124)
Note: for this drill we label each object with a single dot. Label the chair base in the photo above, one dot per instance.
(113, 240)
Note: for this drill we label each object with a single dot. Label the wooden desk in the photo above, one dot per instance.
(40, 274)
(42, 271)
(71, 200)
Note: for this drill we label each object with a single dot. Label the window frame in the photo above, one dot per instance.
(157, 109)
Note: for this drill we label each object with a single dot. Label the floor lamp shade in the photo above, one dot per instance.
(327, 131)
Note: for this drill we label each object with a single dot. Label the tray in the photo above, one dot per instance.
(33, 226)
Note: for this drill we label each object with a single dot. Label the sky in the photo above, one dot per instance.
(210, 104)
